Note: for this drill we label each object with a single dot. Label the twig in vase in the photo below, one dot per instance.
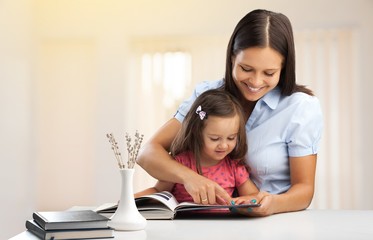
(132, 150)
(115, 148)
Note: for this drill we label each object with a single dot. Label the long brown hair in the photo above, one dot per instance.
(213, 102)
(263, 28)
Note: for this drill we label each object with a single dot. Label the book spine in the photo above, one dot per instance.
(39, 220)
(35, 230)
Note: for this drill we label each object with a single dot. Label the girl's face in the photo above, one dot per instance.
(219, 138)
(256, 71)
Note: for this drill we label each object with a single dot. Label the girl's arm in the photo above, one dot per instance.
(159, 187)
(147, 191)
(246, 192)
(299, 195)
(154, 157)
(247, 188)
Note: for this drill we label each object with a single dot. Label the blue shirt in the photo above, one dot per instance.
(278, 128)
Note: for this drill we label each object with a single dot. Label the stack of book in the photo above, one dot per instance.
(80, 224)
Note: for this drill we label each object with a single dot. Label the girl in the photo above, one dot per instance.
(211, 142)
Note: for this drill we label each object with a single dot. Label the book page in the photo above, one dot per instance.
(166, 199)
(188, 206)
(106, 208)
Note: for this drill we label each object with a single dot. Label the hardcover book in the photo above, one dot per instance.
(163, 205)
(91, 233)
(81, 219)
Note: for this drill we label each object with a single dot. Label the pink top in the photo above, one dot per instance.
(227, 173)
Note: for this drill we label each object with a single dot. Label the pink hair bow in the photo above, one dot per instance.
(202, 114)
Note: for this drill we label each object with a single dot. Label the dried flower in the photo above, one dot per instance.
(115, 148)
(132, 150)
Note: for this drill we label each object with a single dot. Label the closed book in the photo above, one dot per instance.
(38, 231)
(81, 219)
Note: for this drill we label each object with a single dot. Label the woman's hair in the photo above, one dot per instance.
(262, 28)
(216, 103)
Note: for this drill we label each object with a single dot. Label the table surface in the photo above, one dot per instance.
(308, 224)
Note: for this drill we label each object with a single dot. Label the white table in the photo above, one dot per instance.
(304, 225)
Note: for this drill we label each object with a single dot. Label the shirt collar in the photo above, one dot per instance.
(272, 98)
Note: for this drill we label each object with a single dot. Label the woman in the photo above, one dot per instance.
(283, 121)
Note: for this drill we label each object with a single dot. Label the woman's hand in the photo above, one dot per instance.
(265, 200)
(298, 197)
(206, 191)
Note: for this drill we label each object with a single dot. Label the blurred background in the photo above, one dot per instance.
(72, 71)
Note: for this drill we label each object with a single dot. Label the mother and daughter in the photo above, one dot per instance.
(256, 118)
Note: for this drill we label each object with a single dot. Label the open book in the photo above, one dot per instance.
(163, 205)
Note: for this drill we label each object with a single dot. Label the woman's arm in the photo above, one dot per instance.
(156, 160)
(299, 195)
(302, 176)
(154, 156)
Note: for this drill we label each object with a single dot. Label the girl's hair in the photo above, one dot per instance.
(262, 28)
(217, 103)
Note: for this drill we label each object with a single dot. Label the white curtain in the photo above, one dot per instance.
(162, 82)
(326, 63)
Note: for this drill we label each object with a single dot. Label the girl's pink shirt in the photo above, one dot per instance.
(227, 173)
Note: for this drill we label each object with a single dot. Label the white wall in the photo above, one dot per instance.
(53, 147)
(17, 177)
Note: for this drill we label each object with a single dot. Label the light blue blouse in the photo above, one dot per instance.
(278, 128)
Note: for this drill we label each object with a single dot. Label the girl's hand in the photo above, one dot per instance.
(205, 191)
(248, 199)
(265, 200)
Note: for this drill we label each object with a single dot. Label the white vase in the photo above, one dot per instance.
(127, 217)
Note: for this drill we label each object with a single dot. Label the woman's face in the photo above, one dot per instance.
(256, 71)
